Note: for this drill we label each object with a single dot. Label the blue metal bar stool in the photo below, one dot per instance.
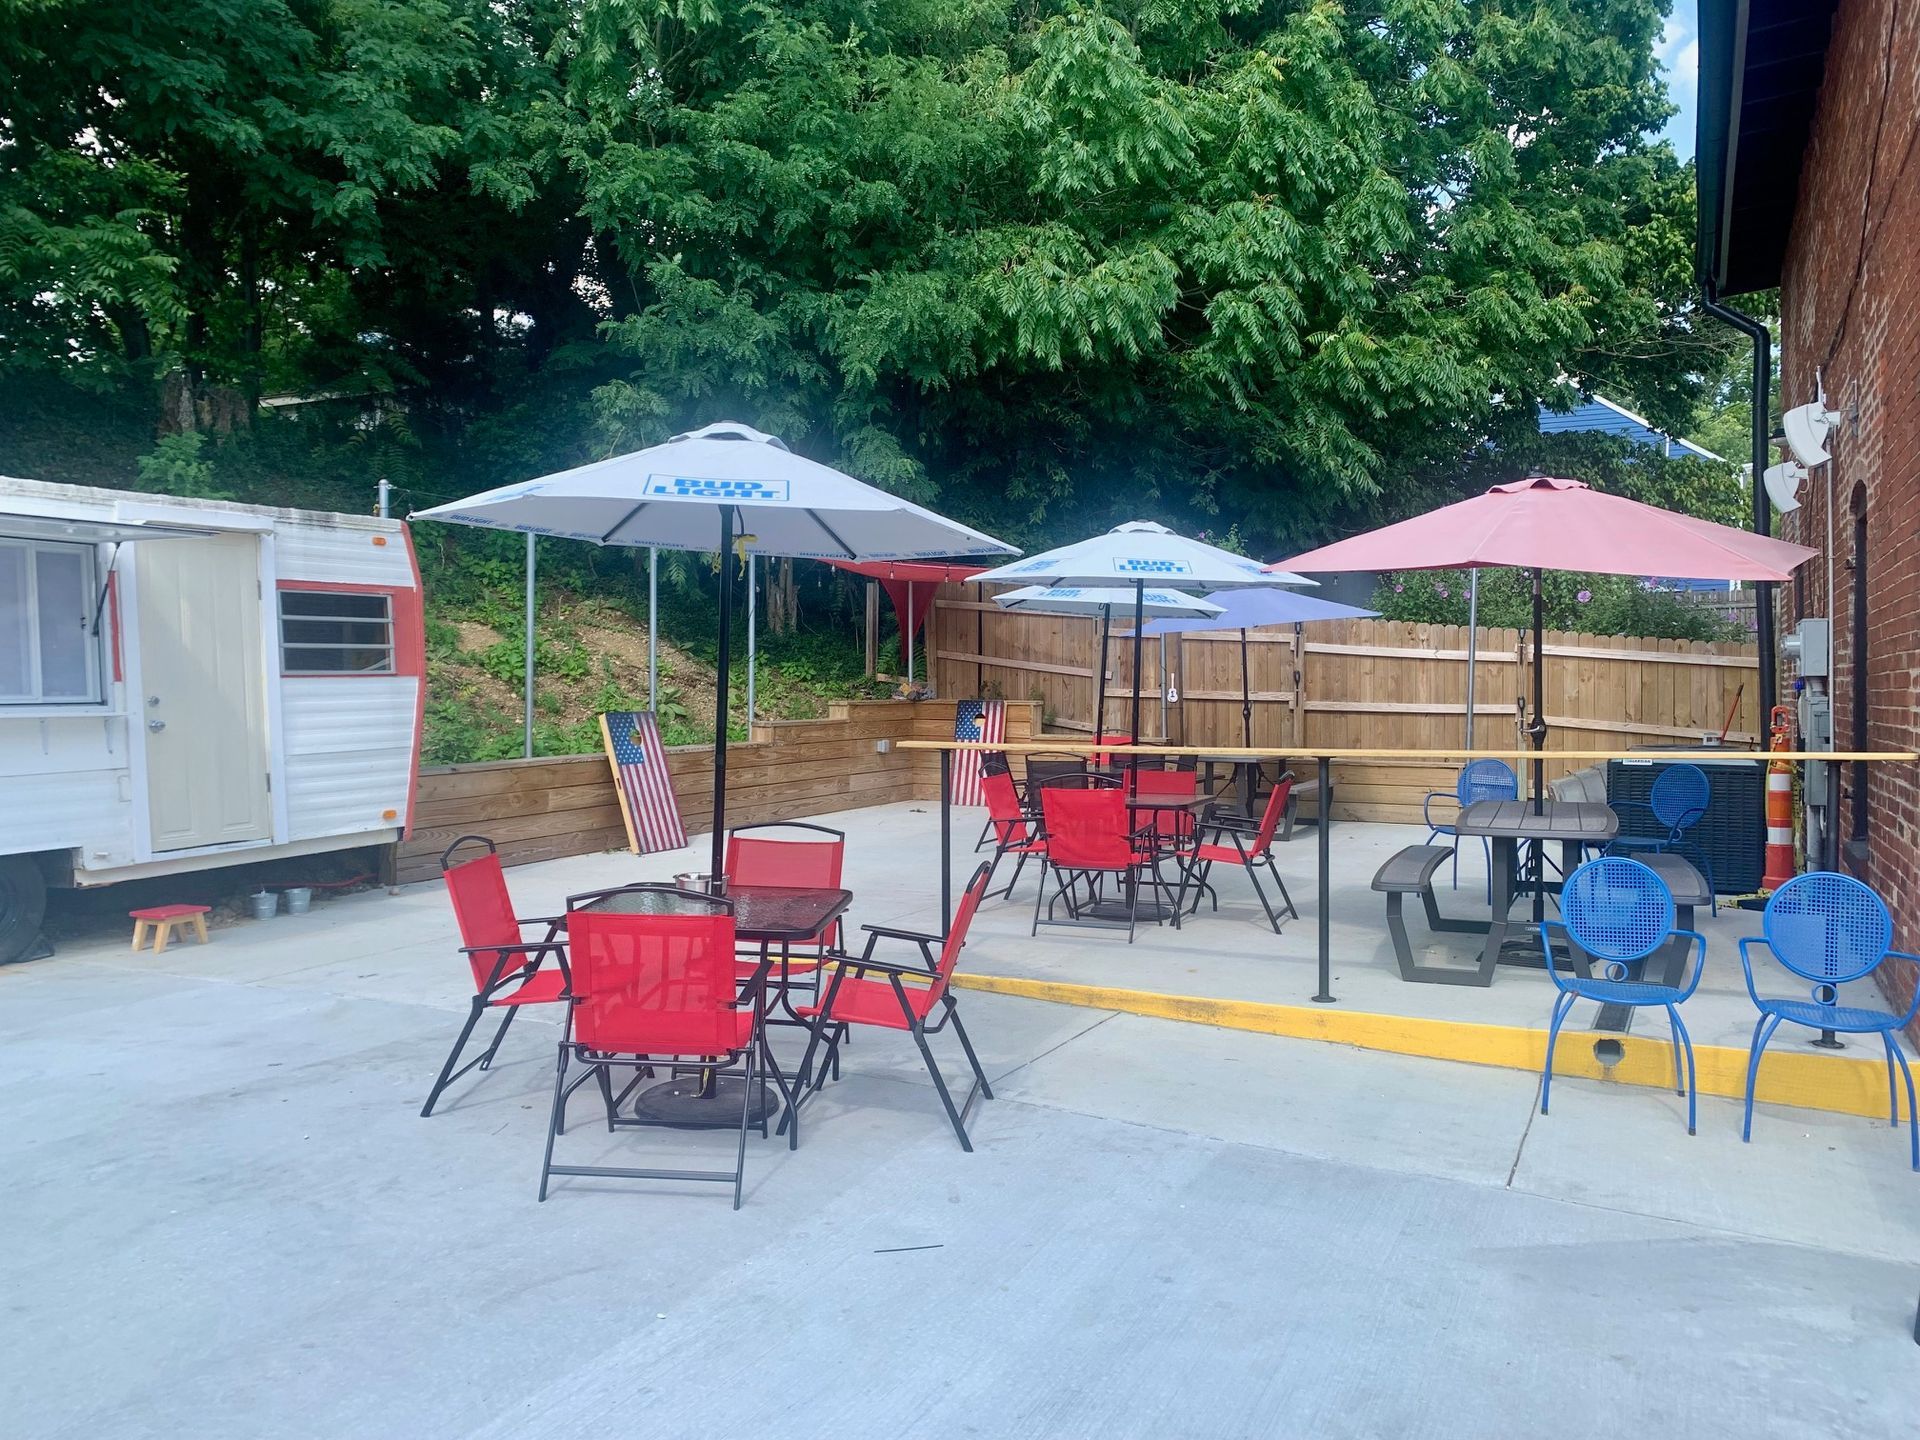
(1619, 912)
(1830, 929)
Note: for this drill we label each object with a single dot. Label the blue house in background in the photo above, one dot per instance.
(1610, 419)
(1607, 418)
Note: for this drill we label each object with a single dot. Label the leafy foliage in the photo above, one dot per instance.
(1595, 604)
(1048, 266)
(1273, 268)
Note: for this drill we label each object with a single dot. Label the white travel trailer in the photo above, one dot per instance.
(192, 683)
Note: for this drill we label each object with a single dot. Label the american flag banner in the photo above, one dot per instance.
(984, 721)
(646, 789)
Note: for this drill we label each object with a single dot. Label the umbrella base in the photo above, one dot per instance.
(695, 1102)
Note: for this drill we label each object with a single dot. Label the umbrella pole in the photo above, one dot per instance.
(526, 745)
(1139, 621)
(1100, 702)
(720, 694)
(1246, 696)
(1538, 729)
(1473, 643)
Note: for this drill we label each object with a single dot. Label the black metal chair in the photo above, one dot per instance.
(1043, 770)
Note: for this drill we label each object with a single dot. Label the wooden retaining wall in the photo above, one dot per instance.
(545, 808)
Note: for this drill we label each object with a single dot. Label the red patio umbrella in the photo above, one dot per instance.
(1542, 523)
(910, 585)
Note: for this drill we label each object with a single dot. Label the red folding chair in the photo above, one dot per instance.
(1251, 849)
(657, 991)
(505, 964)
(990, 761)
(791, 854)
(1103, 756)
(1013, 832)
(1087, 838)
(902, 999)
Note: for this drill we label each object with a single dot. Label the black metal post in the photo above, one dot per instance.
(1762, 338)
(946, 842)
(720, 694)
(1246, 695)
(1325, 997)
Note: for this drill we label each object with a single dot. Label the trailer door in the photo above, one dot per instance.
(203, 692)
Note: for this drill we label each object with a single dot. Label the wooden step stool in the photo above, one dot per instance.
(162, 921)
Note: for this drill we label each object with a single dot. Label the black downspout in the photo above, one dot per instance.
(1762, 515)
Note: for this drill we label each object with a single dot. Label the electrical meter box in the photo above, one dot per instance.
(1809, 645)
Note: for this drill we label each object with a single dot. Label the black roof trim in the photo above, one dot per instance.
(1761, 66)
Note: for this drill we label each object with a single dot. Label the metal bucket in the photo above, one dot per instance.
(706, 884)
(266, 904)
(299, 900)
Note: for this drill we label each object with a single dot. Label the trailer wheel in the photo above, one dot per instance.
(23, 905)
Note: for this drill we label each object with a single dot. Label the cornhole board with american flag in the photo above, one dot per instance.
(639, 764)
(982, 721)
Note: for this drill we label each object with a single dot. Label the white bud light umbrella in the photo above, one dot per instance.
(724, 488)
(1103, 600)
(1138, 554)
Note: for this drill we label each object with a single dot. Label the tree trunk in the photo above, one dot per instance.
(783, 599)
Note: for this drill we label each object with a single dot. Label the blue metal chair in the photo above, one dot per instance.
(1829, 928)
(1479, 780)
(1620, 913)
(1677, 803)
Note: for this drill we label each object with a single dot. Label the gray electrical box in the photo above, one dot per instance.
(1809, 645)
(1816, 733)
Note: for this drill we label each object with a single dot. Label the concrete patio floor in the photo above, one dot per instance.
(225, 1217)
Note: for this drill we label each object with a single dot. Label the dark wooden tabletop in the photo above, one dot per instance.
(1582, 820)
(769, 913)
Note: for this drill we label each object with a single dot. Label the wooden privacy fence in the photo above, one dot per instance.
(566, 805)
(1352, 684)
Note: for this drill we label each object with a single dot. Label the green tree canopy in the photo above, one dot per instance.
(1048, 265)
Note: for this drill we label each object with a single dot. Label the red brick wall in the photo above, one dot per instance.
(1850, 306)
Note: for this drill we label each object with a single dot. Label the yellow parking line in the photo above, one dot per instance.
(1845, 1084)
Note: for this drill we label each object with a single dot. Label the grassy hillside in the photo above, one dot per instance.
(591, 652)
(591, 656)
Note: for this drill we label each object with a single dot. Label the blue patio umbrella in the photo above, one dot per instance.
(1103, 600)
(1138, 554)
(1245, 610)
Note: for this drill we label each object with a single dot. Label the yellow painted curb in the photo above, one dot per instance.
(1840, 1083)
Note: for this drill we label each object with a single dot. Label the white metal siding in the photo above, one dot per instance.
(342, 554)
(65, 784)
(349, 752)
(344, 744)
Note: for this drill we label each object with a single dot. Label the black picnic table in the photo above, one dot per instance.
(1574, 824)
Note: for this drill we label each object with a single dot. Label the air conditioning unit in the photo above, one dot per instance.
(1732, 834)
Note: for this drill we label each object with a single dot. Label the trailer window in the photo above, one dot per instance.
(331, 632)
(48, 653)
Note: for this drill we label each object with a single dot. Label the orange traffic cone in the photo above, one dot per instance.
(1779, 805)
